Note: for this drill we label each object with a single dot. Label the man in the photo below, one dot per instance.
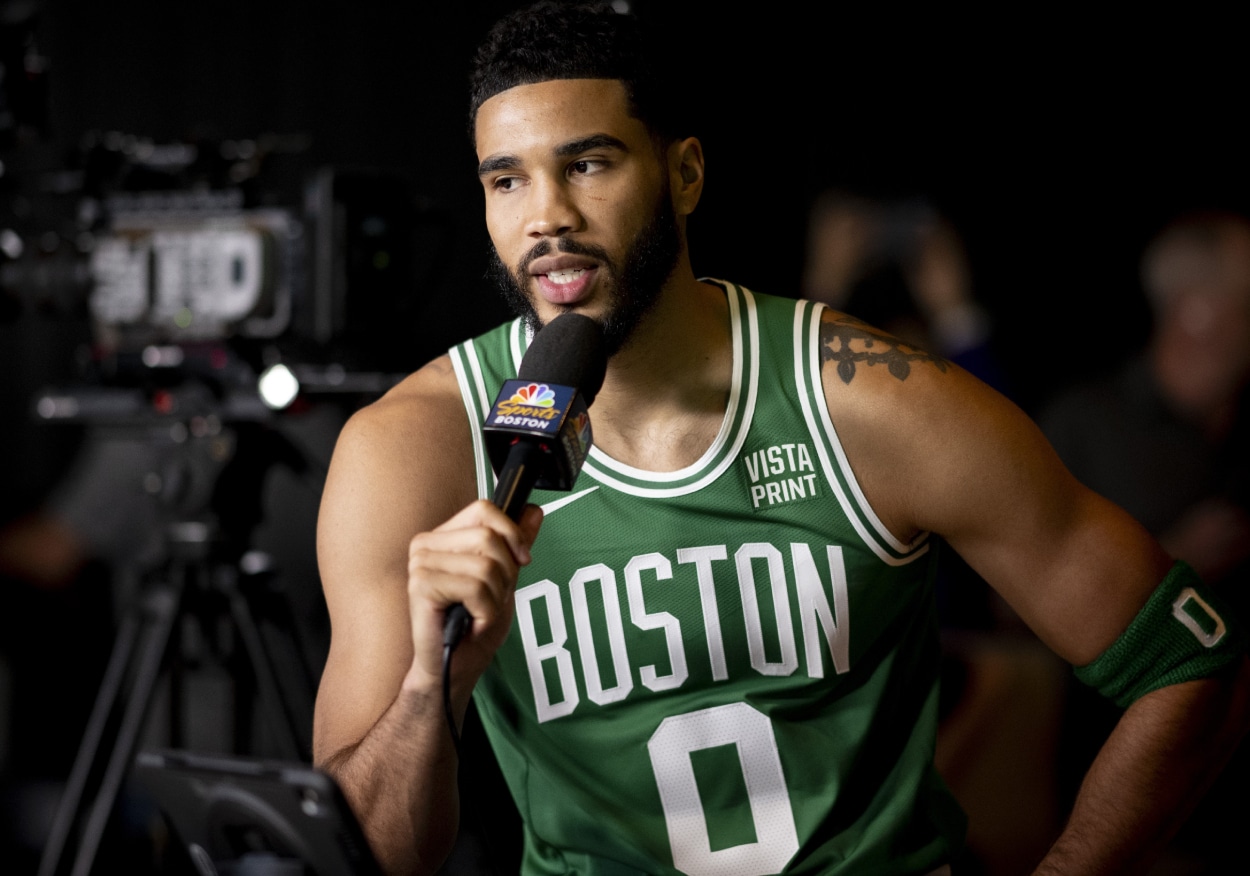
(718, 655)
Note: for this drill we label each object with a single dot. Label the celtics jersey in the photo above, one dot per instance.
(727, 669)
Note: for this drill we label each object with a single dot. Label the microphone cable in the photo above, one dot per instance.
(451, 718)
(455, 625)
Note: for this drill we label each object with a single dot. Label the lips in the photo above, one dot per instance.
(563, 279)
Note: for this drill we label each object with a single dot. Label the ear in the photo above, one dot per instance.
(685, 168)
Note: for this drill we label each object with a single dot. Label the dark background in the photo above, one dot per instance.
(1057, 144)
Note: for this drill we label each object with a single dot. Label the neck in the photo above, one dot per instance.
(665, 392)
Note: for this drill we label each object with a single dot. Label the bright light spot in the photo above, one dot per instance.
(278, 387)
(11, 243)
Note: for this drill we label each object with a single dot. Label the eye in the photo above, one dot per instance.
(585, 166)
(505, 183)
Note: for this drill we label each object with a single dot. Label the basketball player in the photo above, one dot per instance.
(718, 653)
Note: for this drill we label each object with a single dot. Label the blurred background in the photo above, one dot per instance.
(987, 184)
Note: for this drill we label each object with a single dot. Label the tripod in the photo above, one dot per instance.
(206, 579)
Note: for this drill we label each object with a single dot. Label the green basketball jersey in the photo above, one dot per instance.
(729, 669)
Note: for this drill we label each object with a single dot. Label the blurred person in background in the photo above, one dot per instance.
(1165, 437)
(898, 263)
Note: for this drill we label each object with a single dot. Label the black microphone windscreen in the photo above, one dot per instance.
(568, 351)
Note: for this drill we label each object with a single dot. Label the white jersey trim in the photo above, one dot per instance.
(468, 384)
(519, 329)
(598, 460)
(856, 507)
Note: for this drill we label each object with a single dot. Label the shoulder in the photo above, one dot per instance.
(408, 416)
(876, 381)
(934, 449)
(429, 393)
(916, 427)
(404, 462)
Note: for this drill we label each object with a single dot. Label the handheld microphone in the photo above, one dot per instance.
(537, 433)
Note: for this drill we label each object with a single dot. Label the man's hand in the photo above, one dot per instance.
(472, 559)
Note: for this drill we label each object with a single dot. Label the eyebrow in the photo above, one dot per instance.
(585, 144)
(564, 150)
(498, 162)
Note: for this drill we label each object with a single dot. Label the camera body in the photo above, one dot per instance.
(177, 276)
(235, 245)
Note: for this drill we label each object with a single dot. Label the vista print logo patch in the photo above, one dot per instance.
(779, 475)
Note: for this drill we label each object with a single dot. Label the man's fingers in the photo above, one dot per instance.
(531, 520)
(442, 589)
(436, 548)
(518, 536)
(473, 560)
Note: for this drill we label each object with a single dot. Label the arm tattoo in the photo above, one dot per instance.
(847, 341)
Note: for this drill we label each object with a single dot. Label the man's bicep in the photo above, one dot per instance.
(369, 653)
(1076, 567)
(383, 488)
(1078, 584)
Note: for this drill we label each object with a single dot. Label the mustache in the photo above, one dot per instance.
(564, 245)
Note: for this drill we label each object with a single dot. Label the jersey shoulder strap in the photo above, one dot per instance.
(482, 365)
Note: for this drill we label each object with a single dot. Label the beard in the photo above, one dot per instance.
(634, 283)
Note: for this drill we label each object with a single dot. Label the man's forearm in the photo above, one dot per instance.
(400, 780)
(1153, 769)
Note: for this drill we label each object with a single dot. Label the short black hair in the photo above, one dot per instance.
(553, 40)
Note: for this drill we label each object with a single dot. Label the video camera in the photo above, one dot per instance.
(221, 262)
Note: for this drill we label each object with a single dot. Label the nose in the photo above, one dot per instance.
(553, 212)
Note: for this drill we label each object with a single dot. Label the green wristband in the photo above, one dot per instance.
(1183, 632)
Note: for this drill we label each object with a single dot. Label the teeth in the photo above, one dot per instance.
(566, 276)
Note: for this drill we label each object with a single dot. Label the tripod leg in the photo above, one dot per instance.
(110, 688)
(275, 705)
(161, 609)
